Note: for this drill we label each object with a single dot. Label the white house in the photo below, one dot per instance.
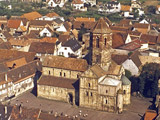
(61, 28)
(133, 63)
(144, 21)
(23, 77)
(78, 5)
(71, 48)
(110, 7)
(46, 32)
(55, 3)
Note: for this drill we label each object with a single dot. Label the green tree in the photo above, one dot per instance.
(151, 9)
(148, 79)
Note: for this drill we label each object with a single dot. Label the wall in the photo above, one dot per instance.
(55, 93)
(60, 72)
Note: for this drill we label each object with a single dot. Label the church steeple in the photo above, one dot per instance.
(101, 43)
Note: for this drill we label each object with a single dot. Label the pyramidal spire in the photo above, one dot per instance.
(101, 27)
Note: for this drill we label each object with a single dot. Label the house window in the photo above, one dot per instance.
(65, 48)
(53, 90)
(89, 85)
(124, 91)
(64, 74)
(77, 76)
(106, 101)
(49, 72)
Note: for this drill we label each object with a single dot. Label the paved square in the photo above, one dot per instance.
(132, 112)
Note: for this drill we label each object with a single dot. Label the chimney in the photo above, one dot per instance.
(6, 78)
(5, 110)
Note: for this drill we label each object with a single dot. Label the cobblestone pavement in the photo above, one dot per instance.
(131, 112)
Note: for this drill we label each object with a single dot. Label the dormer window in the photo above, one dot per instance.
(65, 48)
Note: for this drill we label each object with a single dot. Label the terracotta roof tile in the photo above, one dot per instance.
(149, 38)
(66, 63)
(13, 24)
(25, 114)
(31, 15)
(49, 39)
(10, 54)
(53, 14)
(119, 59)
(135, 58)
(42, 47)
(125, 8)
(41, 23)
(23, 72)
(117, 40)
(150, 115)
(57, 81)
(77, 2)
(131, 46)
(16, 62)
(141, 25)
(88, 25)
(80, 19)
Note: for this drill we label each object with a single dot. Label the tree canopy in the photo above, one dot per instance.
(148, 80)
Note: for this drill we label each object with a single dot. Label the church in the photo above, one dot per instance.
(103, 86)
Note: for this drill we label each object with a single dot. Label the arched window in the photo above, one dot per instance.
(49, 72)
(97, 42)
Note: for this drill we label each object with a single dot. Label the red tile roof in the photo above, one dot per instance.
(31, 15)
(13, 24)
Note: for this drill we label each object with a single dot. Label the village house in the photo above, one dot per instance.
(43, 49)
(126, 11)
(16, 27)
(46, 32)
(6, 86)
(58, 25)
(131, 63)
(40, 25)
(78, 5)
(17, 73)
(55, 3)
(24, 77)
(51, 16)
(63, 67)
(143, 28)
(71, 48)
(110, 7)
